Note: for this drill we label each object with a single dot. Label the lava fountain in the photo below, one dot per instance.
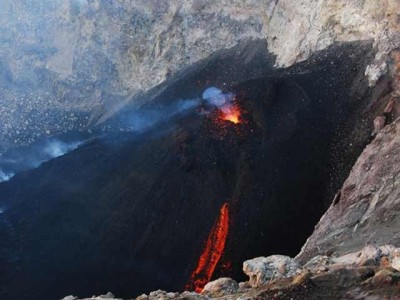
(231, 113)
(212, 252)
(228, 109)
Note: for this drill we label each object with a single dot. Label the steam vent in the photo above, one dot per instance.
(199, 149)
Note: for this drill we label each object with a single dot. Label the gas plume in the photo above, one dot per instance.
(33, 156)
(144, 118)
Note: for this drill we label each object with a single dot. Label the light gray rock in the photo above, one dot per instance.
(395, 263)
(262, 269)
(387, 250)
(392, 254)
(69, 298)
(109, 295)
(244, 285)
(384, 256)
(369, 255)
(163, 295)
(220, 287)
(318, 264)
(192, 296)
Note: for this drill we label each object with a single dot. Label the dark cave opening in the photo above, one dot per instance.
(131, 213)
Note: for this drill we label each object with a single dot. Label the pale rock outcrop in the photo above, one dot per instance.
(220, 287)
(108, 296)
(318, 263)
(384, 256)
(262, 269)
(369, 255)
(391, 255)
(163, 295)
(69, 298)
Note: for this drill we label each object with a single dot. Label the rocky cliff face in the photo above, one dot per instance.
(65, 63)
(365, 209)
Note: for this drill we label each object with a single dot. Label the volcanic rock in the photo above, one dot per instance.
(321, 278)
(69, 298)
(263, 269)
(220, 287)
(163, 295)
(108, 296)
(318, 264)
(366, 211)
(344, 277)
(369, 255)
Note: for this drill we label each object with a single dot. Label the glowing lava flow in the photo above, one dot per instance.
(212, 252)
(231, 113)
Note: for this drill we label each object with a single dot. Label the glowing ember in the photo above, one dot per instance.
(212, 252)
(231, 114)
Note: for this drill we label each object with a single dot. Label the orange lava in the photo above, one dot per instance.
(212, 252)
(231, 114)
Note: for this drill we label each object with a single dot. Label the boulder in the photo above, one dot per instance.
(384, 277)
(161, 295)
(263, 269)
(384, 256)
(221, 287)
(244, 285)
(192, 296)
(109, 295)
(318, 263)
(369, 255)
(387, 250)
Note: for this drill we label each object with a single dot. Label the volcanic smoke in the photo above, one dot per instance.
(33, 156)
(212, 252)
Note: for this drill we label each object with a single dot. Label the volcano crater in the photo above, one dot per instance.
(132, 212)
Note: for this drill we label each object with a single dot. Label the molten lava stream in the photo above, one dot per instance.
(212, 252)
